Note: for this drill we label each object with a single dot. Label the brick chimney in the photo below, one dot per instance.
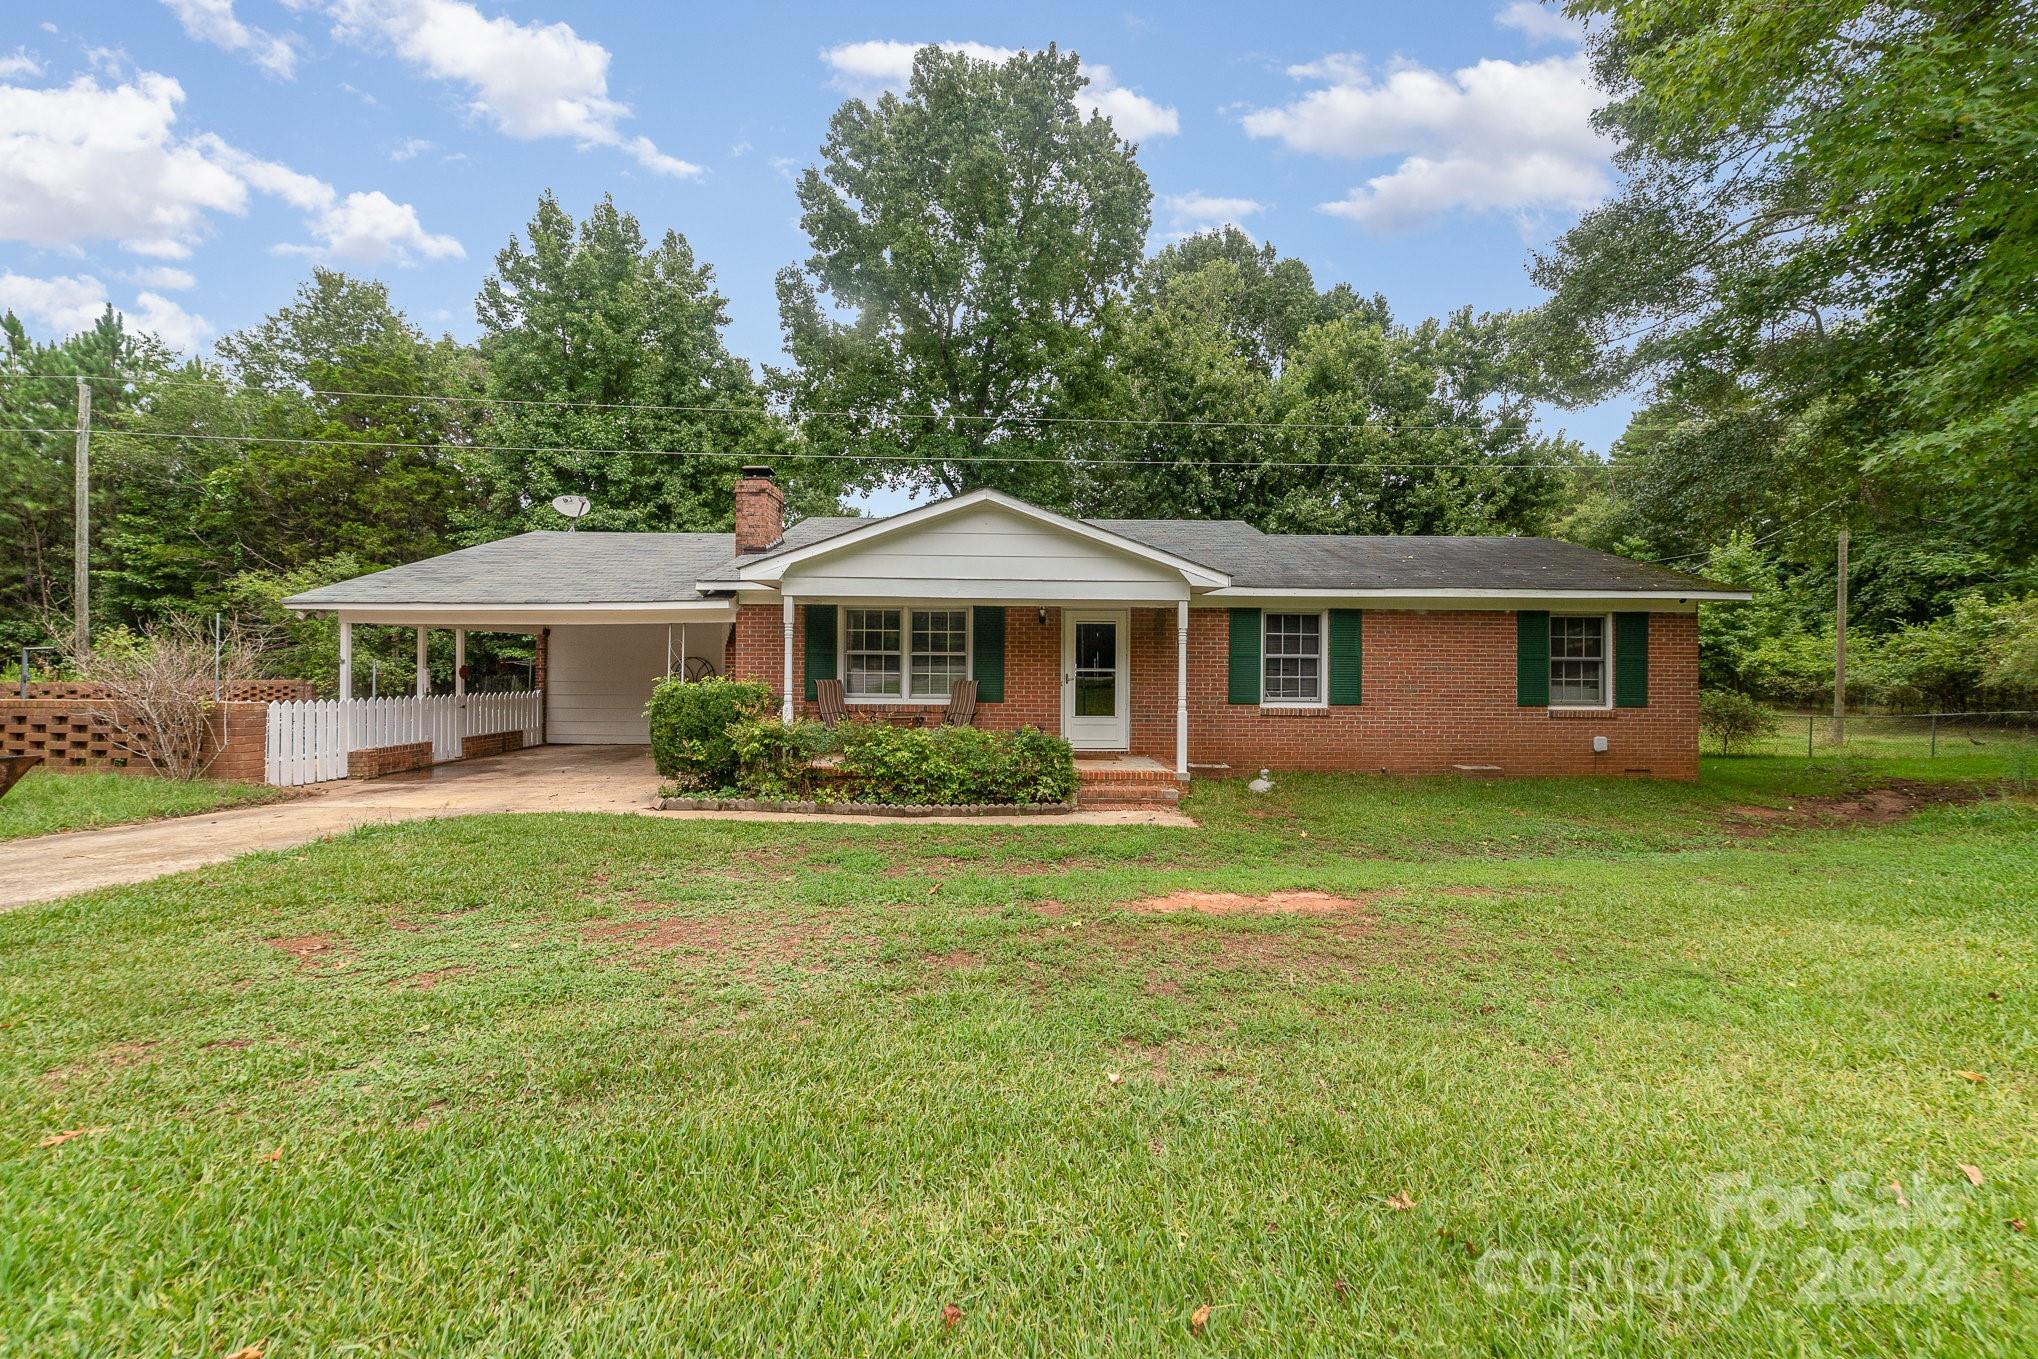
(760, 511)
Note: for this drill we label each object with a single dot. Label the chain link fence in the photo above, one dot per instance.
(1902, 735)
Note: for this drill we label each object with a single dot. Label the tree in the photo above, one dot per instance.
(594, 313)
(1823, 261)
(966, 240)
(38, 392)
(1269, 300)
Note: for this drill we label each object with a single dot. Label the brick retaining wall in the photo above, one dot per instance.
(72, 733)
(378, 761)
(494, 743)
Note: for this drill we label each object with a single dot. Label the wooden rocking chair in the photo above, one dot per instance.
(962, 705)
(828, 695)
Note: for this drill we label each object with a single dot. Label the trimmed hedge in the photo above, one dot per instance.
(902, 766)
(690, 723)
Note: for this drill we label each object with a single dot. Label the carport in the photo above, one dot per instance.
(612, 615)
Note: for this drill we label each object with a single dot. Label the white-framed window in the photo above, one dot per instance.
(1579, 661)
(903, 654)
(1291, 660)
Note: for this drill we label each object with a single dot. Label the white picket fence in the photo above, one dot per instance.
(308, 742)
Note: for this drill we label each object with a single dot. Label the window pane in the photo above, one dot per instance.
(1293, 658)
(871, 654)
(1097, 646)
(940, 651)
(1096, 695)
(1578, 661)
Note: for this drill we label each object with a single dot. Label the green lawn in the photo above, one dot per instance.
(59, 800)
(1585, 1068)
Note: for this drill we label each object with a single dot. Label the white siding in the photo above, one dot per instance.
(984, 553)
(598, 677)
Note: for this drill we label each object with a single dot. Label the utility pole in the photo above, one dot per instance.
(81, 526)
(1840, 647)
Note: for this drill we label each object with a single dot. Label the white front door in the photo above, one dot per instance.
(1096, 713)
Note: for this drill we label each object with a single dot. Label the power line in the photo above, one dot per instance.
(807, 456)
(1124, 421)
(1753, 542)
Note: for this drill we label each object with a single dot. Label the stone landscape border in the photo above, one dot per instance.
(758, 804)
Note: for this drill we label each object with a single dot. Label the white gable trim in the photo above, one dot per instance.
(771, 570)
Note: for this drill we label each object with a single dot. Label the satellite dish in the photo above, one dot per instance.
(572, 506)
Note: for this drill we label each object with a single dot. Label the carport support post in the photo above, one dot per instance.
(787, 712)
(1181, 688)
(459, 663)
(424, 673)
(346, 659)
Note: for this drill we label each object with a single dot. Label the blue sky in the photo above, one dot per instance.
(188, 160)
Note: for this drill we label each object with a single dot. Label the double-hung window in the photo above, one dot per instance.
(904, 653)
(1578, 661)
(1292, 659)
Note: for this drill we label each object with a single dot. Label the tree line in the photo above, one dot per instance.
(1818, 338)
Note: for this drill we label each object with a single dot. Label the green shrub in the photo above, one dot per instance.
(937, 766)
(690, 722)
(1734, 718)
(774, 759)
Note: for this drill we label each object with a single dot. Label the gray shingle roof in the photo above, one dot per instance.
(556, 568)
(1325, 561)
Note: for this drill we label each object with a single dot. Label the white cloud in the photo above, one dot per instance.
(164, 277)
(20, 64)
(68, 304)
(410, 148)
(214, 21)
(1198, 211)
(87, 162)
(1493, 136)
(531, 80)
(1540, 23)
(865, 68)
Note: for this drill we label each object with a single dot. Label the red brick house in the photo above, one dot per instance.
(1207, 646)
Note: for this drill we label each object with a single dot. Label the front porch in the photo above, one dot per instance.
(1112, 782)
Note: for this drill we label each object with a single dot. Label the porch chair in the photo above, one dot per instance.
(962, 704)
(828, 695)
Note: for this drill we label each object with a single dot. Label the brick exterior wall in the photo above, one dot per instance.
(1438, 691)
(71, 734)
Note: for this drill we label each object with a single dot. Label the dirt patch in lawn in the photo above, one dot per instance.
(314, 952)
(1882, 806)
(756, 944)
(954, 959)
(425, 981)
(1274, 903)
(114, 1057)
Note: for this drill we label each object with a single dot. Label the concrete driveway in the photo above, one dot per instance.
(545, 779)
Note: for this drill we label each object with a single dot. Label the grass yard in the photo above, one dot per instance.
(49, 800)
(1564, 1067)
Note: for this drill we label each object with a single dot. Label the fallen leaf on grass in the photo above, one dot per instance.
(57, 1139)
(951, 1316)
(1973, 1173)
(1897, 1188)
(275, 1155)
(2016, 1224)
(254, 1351)
(1401, 1202)
(1114, 1077)
(935, 888)
(1340, 1287)
(1198, 1319)
(1974, 1076)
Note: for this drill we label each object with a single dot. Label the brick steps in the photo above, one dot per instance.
(1117, 788)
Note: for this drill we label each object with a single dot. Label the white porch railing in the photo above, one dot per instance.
(308, 742)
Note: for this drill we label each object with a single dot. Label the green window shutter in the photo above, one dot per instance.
(1245, 656)
(820, 644)
(1532, 658)
(987, 663)
(1631, 660)
(1347, 642)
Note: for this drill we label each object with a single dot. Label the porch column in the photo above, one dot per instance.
(1182, 688)
(459, 662)
(346, 659)
(787, 713)
(424, 673)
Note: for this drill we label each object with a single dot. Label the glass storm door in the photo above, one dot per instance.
(1095, 713)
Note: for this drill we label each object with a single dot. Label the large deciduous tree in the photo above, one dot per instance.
(595, 313)
(967, 237)
(1824, 264)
